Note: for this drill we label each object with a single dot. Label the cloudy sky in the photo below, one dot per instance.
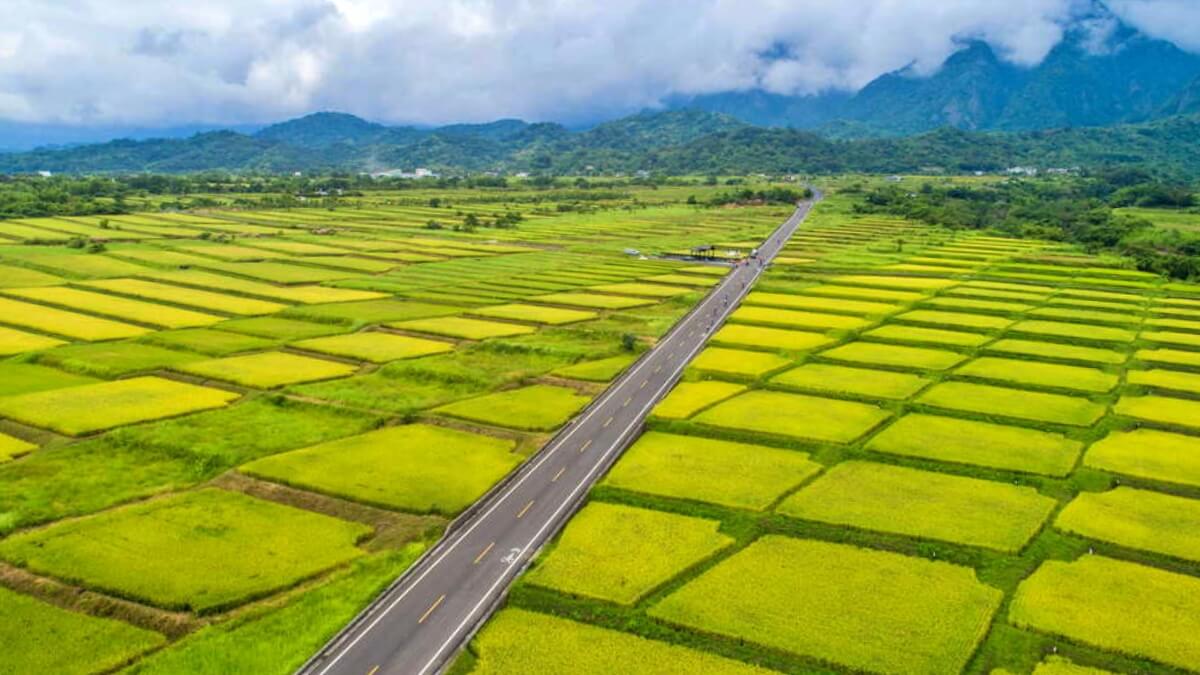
(154, 63)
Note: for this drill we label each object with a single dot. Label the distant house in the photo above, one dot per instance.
(1021, 171)
(894, 179)
(419, 172)
(44, 174)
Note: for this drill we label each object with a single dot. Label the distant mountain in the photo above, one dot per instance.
(1186, 102)
(1088, 79)
(681, 141)
(324, 129)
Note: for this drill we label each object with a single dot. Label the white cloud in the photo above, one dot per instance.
(428, 61)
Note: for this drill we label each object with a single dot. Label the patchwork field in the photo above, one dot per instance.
(231, 547)
(614, 553)
(417, 468)
(912, 449)
(968, 454)
(864, 609)
(223, 431)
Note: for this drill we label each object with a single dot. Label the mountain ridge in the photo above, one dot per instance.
(680, 141)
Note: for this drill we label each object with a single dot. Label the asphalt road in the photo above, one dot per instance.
(419, 623)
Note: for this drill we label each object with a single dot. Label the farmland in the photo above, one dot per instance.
(955, 453)
(223, 431)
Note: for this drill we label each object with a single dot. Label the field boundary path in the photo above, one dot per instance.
(417, 625)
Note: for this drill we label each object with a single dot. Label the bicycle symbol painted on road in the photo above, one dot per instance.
(513, 554)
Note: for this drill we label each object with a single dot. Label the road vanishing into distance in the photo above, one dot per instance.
(417, 625)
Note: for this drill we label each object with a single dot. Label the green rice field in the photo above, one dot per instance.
(977, 460)
(910, 450)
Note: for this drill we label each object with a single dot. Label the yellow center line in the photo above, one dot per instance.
(587, 444)
(644, 383)
(373, 670)
(484, 552)
(431, 608)
(626, 403)
(608, 421)
(658, 369)
(525, 509)
(558, 475)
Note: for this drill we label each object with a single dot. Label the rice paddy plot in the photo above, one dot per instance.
(600, 370)
(520, 641)
(902, 283)
(538, 407)
(1171, 337)
(231, 252)
(955, 319)
(864, 609)
(1175, 324)
(874, 294)
(198, 551)
(683, 467)
(896, 356)
(207, 341)
(279, 328)
(83, 266)
(975, 305)
(415, 467)
(1173, 357)
(795, 416)
(1075, 331)
(1056, 351)
(24, 378)
(922, 504)
(117, 307)
(919, 335)
(738, 362)
(823, 377)
(958, 441)
(267, 370)
(105, 405)
(553, 316)
(817, 303)
(463, 327)
(644, 290)
(11, 448)
(740, 335)
(788, 318)
(1170, 380)
(113, 359)
(688, 398)
(308, 295)
(1036, 374)
(1016, 403)
(1149, 454)
(592, 300)
(60, 322)
(1087, 315)
(370, 311)
(615, 553)
(19, 342)
(40, 637)
(280, 273)
(1137, 519)
(19, 277)
(217, 302)
(1161, 409)
(375, 346)
(1114, 605)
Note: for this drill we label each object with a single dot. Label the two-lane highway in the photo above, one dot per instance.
(418, 624)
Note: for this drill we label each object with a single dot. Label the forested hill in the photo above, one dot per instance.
(679, 141)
